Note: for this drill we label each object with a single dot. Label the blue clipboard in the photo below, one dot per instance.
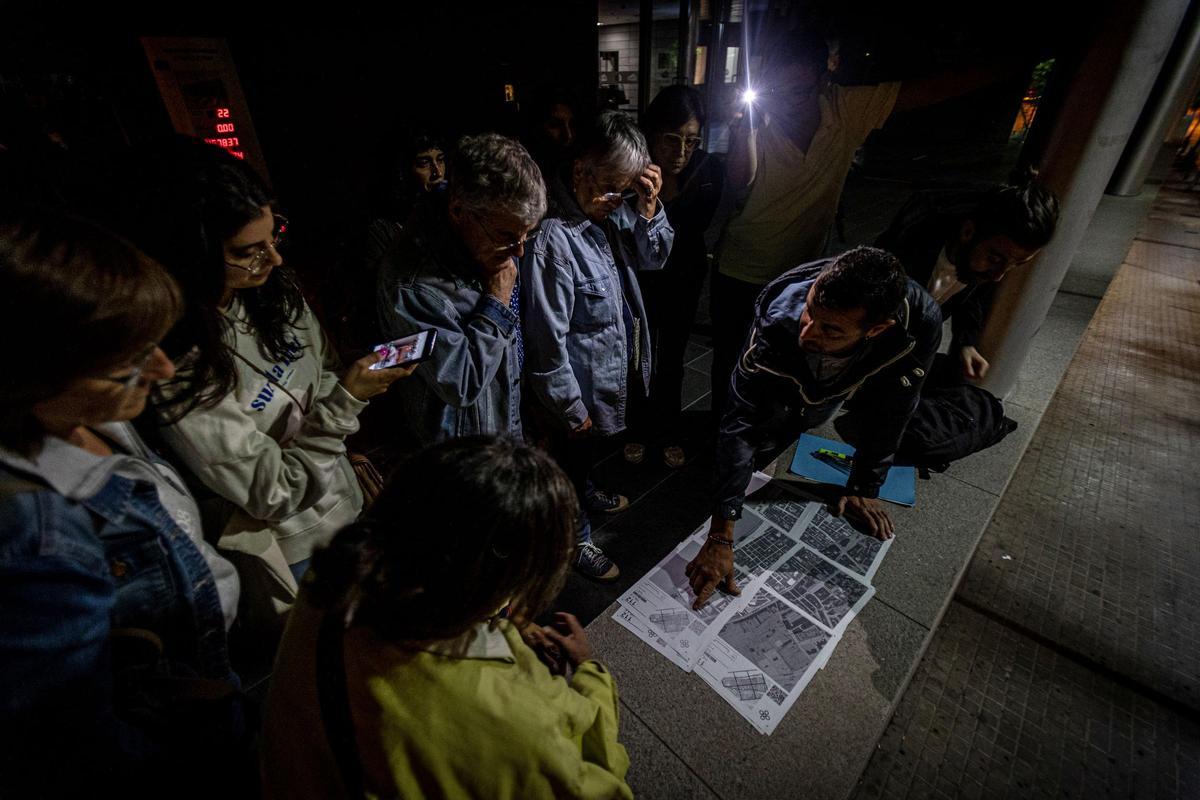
(825, 461)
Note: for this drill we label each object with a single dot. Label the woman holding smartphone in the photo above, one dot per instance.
(260, 408)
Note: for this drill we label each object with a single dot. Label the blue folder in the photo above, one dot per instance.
(825, 461)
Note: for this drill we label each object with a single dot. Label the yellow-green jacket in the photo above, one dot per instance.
(477, 717)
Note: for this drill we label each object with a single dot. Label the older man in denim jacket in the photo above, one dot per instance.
(454, 271)
(585, 320)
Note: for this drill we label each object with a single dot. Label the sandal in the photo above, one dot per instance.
(674, 456)
(635, 453)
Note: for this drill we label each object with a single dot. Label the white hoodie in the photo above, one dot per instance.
(282, 473)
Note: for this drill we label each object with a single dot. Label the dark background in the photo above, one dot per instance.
(329, 92)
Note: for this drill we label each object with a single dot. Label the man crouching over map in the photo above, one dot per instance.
(824, 331)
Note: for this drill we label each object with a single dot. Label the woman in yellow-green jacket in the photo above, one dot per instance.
(401, 673)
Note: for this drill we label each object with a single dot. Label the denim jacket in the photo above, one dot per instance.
(573, 293)
(83, 552)
(772, 383)
(471, 384)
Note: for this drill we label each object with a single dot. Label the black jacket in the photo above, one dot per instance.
(917, 235)
(773, 392)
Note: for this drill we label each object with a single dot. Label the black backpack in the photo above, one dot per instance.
(952, 420)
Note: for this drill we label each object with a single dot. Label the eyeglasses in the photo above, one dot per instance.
(137, 368)
(676, 142)
(259, 259)
(614, 197)
(506, 248)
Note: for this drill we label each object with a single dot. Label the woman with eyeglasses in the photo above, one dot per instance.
(587, 328)
(691, 191)
(115, 608)
(260, 408)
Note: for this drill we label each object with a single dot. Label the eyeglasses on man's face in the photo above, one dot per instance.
(137, 366)
(505, 248)
(254, 264)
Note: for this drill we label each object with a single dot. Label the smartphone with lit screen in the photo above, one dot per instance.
(406, 351)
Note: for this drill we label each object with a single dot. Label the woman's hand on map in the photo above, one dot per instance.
(712, 568)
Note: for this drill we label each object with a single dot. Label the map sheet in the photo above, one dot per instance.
(804, 575)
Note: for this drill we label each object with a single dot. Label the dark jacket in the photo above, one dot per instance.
(772, 390)
(917, 235)
(691, 211)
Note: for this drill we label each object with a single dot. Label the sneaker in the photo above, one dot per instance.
(602, 502)
(591, 562)
(674, 457)
(635, 453)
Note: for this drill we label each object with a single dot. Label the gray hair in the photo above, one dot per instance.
(490, 172)
(614, 144)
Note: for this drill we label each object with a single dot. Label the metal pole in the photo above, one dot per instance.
(1164, 107)
(714, 67)
(1106, 95)
(645, 49)
(689, 34)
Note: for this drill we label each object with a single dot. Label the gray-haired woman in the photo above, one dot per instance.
(454, 270)
(585, 322)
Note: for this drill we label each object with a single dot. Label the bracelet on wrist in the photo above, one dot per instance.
(727, 542)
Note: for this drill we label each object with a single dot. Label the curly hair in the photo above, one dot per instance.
(462, 528)
(866, 278)
(186, 200)
(490, 172)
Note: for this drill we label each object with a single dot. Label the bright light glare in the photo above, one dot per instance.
(749, 96)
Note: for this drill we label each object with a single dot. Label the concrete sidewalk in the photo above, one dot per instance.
(1069, 663)
(683, 741)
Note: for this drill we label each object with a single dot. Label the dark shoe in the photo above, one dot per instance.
(602, 502)
(591, 562)
(674, 456)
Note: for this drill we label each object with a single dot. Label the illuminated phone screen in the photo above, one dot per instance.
(402, 351)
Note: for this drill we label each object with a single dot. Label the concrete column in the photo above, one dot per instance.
(1166, 105)
(1100, 108)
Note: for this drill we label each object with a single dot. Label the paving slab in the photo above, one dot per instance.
(1099, 523)
(991, 469)
(822, 744)
(657, 772)
(992, 713)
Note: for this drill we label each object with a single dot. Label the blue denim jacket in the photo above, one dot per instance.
(84, 552)
(576, 345)
(471, 384)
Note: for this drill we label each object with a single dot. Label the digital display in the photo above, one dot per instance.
(199, 85)
(210, 122)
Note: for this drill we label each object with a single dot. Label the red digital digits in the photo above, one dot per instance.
(230, 143)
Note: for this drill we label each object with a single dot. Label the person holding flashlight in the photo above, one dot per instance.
(789, 156)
